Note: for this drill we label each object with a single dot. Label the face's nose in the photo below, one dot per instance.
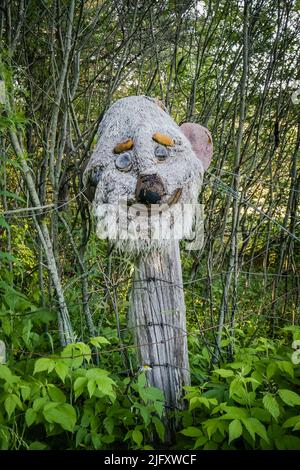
(149, 189)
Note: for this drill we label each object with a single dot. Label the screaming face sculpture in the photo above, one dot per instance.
(145, 174)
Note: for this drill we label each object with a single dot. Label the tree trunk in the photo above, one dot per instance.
(157, 317)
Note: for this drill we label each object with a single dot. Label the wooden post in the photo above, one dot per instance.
(157, 316)
(161, 165)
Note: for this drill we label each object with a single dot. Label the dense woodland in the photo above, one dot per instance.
(230, 65)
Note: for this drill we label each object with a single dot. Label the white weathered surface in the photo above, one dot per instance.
(139, 118)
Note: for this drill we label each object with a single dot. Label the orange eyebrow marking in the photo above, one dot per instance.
(127, 145)
(163, 139)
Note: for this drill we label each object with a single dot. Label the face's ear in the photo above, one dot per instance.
(201, 141)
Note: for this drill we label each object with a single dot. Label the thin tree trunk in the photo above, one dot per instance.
(64, 324)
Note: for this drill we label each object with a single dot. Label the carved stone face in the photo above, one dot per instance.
(143, 171)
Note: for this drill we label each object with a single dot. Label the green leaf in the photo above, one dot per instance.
(271, 405)
(291, 442)
(286, 366)
(137, 437)
(271, 370)
(212, 426)
(142, 380)
(79, 386)
(144, 412)
(234, 412)
(63, 414)
(235, 430)
(98, 341)
(289, 397)
(80, 435)
(5, 373)
(152, 393)
(91, 386)
(224, 372)
(72, 356)
(236, 388)
(10, 404)
(3, 222)
(5, 438)
(62, 370)
(96, 373)
(254, 426)
(258, 380)
(85, 350)
(30, 416)
(200, 442)
(39, 403)
(293, 422)
(43, 364)
(261, 414)
(197, 402)
(25, 392)
(160, 429)
(56, 394)
(36, 445)
(105, 386)
(96, 441)
(191, 431)
(159, 407)
(109, 424)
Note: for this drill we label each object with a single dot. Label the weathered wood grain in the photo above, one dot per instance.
(157, 317)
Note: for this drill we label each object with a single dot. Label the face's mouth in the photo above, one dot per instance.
(159, 208)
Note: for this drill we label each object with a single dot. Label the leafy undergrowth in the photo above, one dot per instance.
(65, 402)
(80, 398)
(251, 403)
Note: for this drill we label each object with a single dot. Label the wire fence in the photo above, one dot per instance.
(46, 209)
(35, 354)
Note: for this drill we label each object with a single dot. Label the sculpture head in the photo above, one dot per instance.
(145, 174)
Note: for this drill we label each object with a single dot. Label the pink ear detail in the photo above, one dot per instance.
(201, 141)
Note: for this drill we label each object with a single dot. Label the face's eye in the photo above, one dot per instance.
(123, 162)
(161, 153)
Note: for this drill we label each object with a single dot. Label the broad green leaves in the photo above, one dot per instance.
(293, 422)
(257, 394)
(99, 341)
(159, 427)
(137, 437)
(63, 414)
(271, 405)
(191, 431)
(75, 354)
(43, 364)
(241, 405)
(11, 402)
(224, 372)
(289, 397)
(79, 386)
(62, 370)
(235, 430)
(254, 426)
(30, 416)
(5, 373)
(286, 367)
(96, 382)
